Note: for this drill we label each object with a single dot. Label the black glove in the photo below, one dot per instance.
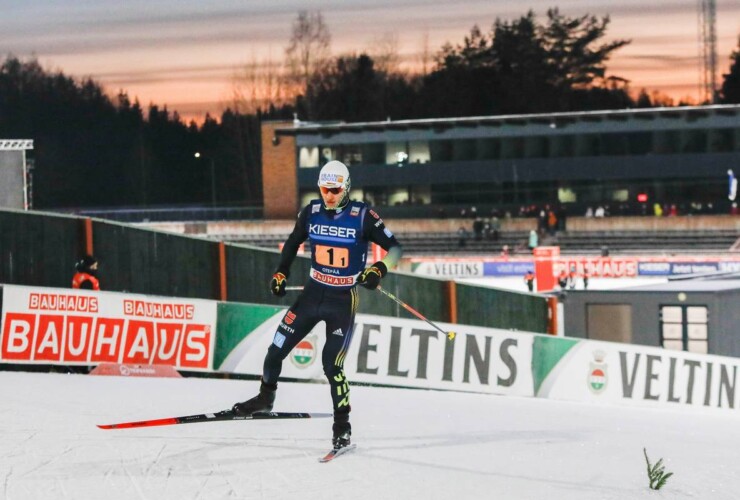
(277, 284)
(370, 277)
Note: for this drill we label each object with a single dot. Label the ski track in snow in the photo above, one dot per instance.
(412, 444)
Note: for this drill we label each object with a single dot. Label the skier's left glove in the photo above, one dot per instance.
(370, 277)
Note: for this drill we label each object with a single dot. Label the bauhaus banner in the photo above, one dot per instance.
(76, 327)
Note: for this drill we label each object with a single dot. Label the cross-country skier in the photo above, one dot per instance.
(339, 231)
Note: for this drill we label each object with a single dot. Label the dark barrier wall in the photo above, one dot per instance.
(41, 249)
(426, 295)
(484, 306)
(145, 261)
(38, 249)
(250, 270)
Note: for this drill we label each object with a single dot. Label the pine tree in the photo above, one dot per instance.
(731, 86)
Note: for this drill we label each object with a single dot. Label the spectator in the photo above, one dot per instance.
(505, 251)
(542, 222)
(533, 240)
(86, 277)
(589, 212)
(585, 280)
(529, 280)
(495, 228)
(657, 210)
(562, 216)
(462, 237)
(572, 275)
(599, 212)
(478, 228)
(563, 279)
(552, 222)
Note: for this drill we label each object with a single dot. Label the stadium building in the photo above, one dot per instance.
(623, 160)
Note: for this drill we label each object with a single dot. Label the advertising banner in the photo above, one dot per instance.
(594, 267)
(585, 370)
(408, 353)
(509, 268)
(79, 327)
(404, 352)
(450, 268)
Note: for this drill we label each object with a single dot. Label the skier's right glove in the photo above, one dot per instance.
(277, 284)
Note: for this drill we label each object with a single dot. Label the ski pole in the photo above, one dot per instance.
(293, 288)
(450, 335)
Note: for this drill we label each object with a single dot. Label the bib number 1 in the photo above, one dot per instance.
(331, 256)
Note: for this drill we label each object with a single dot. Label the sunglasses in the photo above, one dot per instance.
(326, 190)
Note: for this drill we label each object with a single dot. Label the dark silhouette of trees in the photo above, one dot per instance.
(730, 91)
(94, 151)
(525, 67)
(350, 89)
(518, 67)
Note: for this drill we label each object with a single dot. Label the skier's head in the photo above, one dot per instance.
(334, 185)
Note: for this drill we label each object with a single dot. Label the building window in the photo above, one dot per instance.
(395, 153)
(327, 154)
(421, 195)
(308, 157)
(620, 195)
(350, 154)
(398, 196)
(567, 195)
(684, 328)
(419, 152)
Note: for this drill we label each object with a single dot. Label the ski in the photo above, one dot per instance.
(337, 452)
(211, 417)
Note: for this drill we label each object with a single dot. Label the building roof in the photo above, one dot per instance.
(695, 285)
(553, 120)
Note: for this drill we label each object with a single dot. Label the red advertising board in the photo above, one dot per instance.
(71, 327)
(544, 257)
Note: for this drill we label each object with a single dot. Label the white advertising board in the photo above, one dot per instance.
(407, 353)
(630, 374)
(80, 327)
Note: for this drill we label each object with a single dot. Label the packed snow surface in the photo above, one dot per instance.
(412, 444)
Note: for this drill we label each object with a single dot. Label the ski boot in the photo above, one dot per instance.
(261, 403)
(341, 429)
(341, 440)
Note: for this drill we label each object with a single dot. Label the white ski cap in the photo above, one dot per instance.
(334, 175)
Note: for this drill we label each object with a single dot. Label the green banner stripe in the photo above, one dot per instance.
(546, 354)
(234, 322)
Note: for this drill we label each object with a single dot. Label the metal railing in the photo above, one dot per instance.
(170, 214)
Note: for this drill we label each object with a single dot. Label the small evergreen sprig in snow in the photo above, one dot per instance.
(656, 473)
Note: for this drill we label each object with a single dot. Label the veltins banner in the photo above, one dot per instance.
(404, 352)
(629, 374)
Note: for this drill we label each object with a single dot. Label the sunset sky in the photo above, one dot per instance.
(186, 53)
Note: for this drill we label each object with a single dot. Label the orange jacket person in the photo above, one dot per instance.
(86, 276)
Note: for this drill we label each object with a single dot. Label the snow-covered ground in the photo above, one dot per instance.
(412, 444)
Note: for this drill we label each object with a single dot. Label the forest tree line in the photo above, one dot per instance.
(97, 150)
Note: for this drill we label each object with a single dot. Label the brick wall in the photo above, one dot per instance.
(279, 176)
